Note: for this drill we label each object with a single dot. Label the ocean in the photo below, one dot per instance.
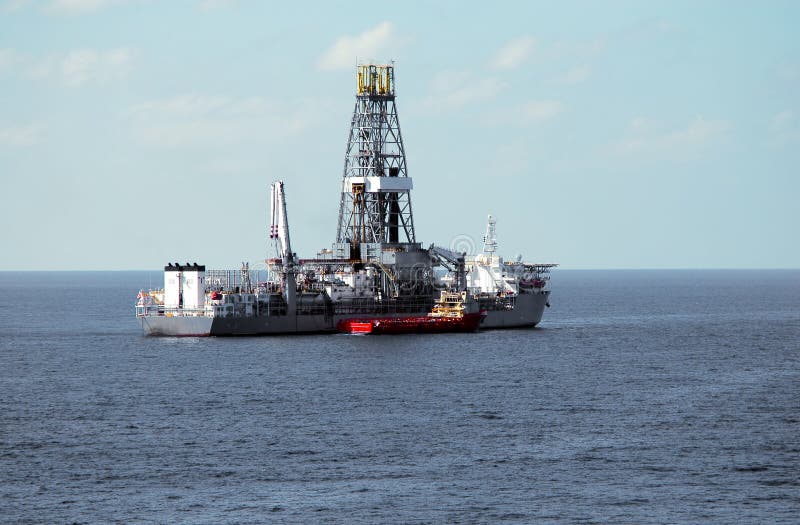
(643, 397)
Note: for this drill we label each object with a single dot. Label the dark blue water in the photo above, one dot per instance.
(645, 397)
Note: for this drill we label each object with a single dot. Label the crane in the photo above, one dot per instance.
(453, 261)
(279, 231)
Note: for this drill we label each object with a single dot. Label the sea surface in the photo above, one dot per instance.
(643, 397)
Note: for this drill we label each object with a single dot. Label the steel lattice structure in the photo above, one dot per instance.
(376, 199)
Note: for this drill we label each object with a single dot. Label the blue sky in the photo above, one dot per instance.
(600, 134)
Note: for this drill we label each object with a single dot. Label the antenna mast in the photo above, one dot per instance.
(490, 239)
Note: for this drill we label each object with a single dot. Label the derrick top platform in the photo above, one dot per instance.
(375, 80)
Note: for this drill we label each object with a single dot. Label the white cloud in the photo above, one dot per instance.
(447, 80)
(42, 68)
(84, 66)
(192, 120)
(576, 75)
(9, 58)
(188, 105)
(784, 129)
(77, 6)
(370, 44)
(562, 51)
(456, 89)
(644, 137)
(514, 53)
(789, 72)
(209, 5)
(782, 120)
(537, 110)
(11, 6)
(19, 136)
(533, 111)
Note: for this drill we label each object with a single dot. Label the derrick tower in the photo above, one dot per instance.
(376, 189)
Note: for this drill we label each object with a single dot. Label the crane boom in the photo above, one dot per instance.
(454, 262)
(279, 223)
(279, 230)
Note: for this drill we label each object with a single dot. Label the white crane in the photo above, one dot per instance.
(279, 230)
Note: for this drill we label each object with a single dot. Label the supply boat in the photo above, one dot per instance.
(453, 312)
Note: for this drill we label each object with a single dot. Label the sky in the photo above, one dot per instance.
(599, 134)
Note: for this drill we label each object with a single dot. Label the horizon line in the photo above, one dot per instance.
(654, 268)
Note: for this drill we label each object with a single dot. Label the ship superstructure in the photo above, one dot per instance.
(374, 269)
(507, 291)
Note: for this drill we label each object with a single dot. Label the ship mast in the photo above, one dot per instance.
(376, 201)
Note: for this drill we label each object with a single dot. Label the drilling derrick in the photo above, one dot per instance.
(375, 232)
(376, 189)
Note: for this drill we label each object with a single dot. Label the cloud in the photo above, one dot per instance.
(11, 6)
(781, 121)
(85, 66)
(784, 129)
(514, 53)
(576, 75)
(192, 119)
(187, 105)
(574, 51)
(456, 89)
(82, 66)
(209, 5)
(19, 136)
(530, 112)
(789, 72)
(8, 59)
(643, 137)
(538, 110)
(369, 44)
(42, 68)
(77, 6)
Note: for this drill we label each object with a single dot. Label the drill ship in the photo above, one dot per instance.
(375, 269)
